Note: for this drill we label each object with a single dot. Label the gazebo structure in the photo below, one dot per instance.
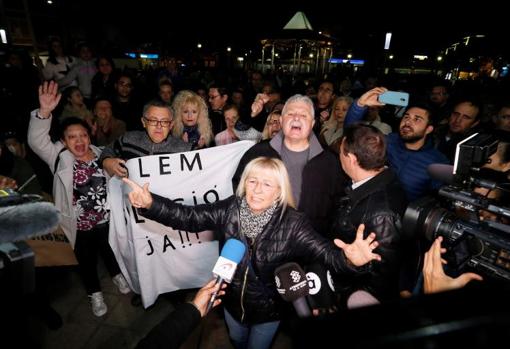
(298, 48)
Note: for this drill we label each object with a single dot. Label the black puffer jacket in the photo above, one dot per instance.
(252, 296)
(322, 184)
(379, 204)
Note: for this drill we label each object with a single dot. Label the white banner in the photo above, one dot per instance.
(157, 259)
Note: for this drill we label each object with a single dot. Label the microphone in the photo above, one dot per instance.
(292, 285)
(26, 220)
(321, 286)
(441, 172)
(231, 254)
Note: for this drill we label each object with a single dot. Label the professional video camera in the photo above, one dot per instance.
(480, 245)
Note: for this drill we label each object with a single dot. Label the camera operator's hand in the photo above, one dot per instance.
(435, 280)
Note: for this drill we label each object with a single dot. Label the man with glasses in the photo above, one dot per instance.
(156, 139)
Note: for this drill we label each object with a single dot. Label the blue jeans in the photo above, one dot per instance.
(257, 336)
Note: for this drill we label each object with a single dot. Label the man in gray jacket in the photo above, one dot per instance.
(156, 139)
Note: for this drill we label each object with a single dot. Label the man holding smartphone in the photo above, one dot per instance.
(409, 151)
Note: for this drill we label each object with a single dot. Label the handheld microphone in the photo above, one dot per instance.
(231, 254)
(292, 285)
(27, 220)
(321, 286)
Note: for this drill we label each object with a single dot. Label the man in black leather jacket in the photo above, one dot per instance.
(376, 199)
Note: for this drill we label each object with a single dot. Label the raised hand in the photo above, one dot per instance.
(434, 278)
(258, 104)
(360, 251)
(370, 98)
(139, 197)
(48, 98)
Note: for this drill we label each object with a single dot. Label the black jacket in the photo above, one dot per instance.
(380, 204)
(323, 182)
(252, 297)
(173, 330)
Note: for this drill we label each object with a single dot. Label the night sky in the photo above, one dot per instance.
(221, 23)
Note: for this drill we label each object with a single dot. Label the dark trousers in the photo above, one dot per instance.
(88, 245)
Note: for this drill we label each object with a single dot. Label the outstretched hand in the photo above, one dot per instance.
(434, 277)
(48, 98)
(139, 197)
(360, 251)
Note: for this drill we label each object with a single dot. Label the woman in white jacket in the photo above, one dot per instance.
(79, 190)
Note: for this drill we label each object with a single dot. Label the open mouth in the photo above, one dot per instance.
(80, 148)
(406, 129)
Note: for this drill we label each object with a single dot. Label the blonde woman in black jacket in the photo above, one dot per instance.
(261, 215)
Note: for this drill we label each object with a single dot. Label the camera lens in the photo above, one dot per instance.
(424, 217)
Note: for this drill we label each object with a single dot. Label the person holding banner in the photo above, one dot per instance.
(79, 189)
(263, 217)
(158, 120)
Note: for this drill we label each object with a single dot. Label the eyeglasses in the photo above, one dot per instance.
(213, 97)
(274, 122)
(154, 122)
(252, 183)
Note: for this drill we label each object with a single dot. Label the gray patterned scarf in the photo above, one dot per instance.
(252, 224)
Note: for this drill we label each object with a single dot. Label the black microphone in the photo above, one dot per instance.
(321, 286)
(231, 254)
(26, 220)
(292, 285)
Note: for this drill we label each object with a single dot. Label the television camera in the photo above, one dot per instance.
(482, 246)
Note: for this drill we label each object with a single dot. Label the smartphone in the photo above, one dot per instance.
(394, 98)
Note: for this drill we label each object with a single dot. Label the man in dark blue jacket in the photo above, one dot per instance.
(409, 151)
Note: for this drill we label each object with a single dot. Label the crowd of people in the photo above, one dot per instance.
(331, 167)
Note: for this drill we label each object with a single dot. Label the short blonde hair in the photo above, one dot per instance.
(276, 168)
